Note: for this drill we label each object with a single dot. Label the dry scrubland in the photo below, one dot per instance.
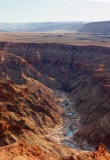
(64, 37)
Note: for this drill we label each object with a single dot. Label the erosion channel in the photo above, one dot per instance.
(64, 133)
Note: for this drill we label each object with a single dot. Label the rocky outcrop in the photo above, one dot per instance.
(100, 69)
(22, 150)
(102, 76)
(3, 109)
(6, 95)
(6, 126)
(100, 153)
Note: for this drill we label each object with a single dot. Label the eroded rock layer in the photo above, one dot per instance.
(28, 107)
(82, 70)
(100, 153)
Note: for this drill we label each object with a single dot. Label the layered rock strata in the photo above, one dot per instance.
(82, 71)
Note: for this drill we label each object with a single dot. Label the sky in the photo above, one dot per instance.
(54, 10)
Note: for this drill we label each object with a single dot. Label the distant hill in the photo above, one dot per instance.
(96, 27)
(2, 30)
(40, 26)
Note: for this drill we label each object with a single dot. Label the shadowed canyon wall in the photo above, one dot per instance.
(83, 72)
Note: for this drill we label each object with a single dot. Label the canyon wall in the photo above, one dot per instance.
(82, 71)
(28, 108)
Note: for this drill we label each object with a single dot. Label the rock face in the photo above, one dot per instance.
(26, 103)
(21, 150)
(100, 153)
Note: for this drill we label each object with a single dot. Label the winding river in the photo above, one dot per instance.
(70, 119)
(64, 133)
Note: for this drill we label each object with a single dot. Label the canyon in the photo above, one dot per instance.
(47, 86)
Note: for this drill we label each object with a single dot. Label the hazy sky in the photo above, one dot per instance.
(54, 10)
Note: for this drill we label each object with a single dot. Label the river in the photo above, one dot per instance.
(64, 133)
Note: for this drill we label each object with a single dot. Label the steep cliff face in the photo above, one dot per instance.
(27, 107)
(58, 61)
(17, 68)
(82, 71)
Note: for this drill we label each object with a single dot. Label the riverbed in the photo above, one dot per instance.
(64, 133)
